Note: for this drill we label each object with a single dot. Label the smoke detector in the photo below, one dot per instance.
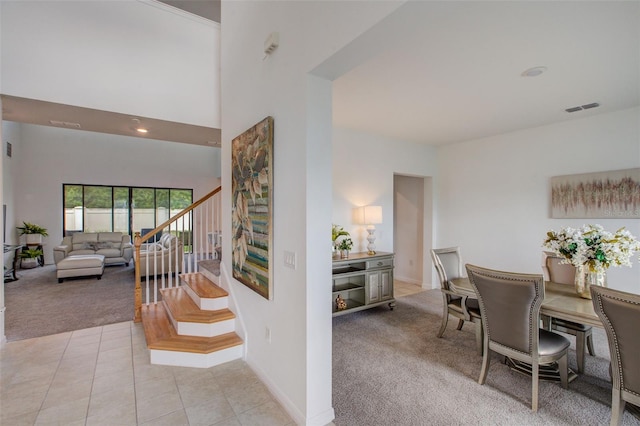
(533, 72)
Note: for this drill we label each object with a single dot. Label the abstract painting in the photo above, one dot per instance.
(252, 207)
(603, 195)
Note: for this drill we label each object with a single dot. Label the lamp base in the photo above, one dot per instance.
(371, 247)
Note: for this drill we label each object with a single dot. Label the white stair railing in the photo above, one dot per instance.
(176, 246)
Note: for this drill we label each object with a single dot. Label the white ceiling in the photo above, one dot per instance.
(445, 72)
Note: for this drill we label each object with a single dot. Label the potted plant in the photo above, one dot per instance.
(344, 246)
(33, 233)
(30, 257)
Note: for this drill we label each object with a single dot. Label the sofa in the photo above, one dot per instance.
(161, 256)
(116, 247)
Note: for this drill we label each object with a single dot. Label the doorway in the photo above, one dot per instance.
(412, 231)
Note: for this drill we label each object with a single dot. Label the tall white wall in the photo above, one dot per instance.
(494, 193)
(363, 169)
(44, 158)
(296, 362)
(132, 57)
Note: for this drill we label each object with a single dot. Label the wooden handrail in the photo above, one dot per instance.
(139, 240)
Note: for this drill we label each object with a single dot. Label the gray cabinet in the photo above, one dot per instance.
(362, 281)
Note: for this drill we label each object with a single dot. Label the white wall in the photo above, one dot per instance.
(363, 169)
(46, 157)
(296, 363)
(363, 172)
(494, 193)
(132, 57)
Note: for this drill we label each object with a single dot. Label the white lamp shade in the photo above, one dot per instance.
(372, 215)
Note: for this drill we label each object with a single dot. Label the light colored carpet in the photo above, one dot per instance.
(389, 368)
(38, 306)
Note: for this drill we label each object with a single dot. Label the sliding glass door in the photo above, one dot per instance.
(98, 208)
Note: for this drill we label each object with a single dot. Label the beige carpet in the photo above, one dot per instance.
(389, 368)
(36, 305)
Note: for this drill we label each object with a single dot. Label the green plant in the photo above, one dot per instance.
(31, 253)
(31, 228)
(345, 244)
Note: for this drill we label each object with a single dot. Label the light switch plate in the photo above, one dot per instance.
(290, 259)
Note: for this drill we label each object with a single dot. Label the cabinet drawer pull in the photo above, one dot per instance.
(380, 263)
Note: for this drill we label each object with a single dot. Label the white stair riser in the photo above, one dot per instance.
(205, 330)
(189, 359)
(207, 304)
(200, 329)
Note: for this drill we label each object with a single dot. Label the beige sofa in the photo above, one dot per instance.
(116, 247)
(161, 256)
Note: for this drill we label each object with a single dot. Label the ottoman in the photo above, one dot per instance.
(80, 266)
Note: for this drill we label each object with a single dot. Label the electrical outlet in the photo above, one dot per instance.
(290, 259)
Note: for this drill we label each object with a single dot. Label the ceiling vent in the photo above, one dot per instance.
(583, 107)
(64, 124)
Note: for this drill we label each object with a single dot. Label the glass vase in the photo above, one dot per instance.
(585, 278)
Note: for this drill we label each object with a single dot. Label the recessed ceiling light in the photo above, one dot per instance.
(141, 130)
(533, 72)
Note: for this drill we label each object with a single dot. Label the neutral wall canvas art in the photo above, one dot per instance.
(602, 195)
(252, 211)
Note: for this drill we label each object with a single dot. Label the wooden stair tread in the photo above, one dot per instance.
(161, 335)
(202, 286)
(184, 309)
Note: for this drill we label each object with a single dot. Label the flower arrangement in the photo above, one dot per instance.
(336, 232)
(345, 244)
(592, 246)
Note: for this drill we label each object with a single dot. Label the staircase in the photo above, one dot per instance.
(190, 323)
(192, 326)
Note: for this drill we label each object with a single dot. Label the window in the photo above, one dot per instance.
(98, 208)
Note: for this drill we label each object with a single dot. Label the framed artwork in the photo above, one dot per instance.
(602, 195)
(252, 207)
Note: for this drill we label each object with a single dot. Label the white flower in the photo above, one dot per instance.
(591, 245)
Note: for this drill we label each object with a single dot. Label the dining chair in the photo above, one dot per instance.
(561, 273)
(448, 265)
(510, 306)
(620, 315)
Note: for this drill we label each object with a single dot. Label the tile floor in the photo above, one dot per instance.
(403, 288)
(102, 376)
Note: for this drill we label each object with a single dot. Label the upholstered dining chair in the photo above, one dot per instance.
(448, 265)
(620, 314)
(510, 306)
(554, 270)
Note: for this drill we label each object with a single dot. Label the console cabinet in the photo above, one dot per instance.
(363, 281)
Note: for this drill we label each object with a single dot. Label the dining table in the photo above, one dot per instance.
(560, 301)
